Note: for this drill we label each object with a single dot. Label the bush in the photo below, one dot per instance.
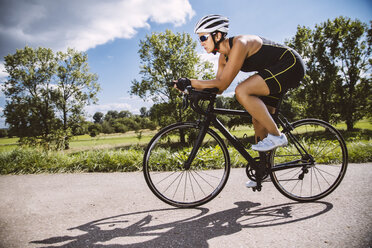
(131, 123)
(108, 161)
(120, 128)
(107, 128)
(360, 151)
(57, 139)
(30, 160)
(146, 123)
(94, 130)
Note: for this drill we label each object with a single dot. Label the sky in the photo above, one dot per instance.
(110, 31)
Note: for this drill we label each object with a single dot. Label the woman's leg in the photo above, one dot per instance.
(247, 94)
(259, 130)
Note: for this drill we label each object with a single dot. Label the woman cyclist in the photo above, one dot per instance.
(278, 69)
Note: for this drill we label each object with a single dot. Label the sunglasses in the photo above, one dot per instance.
(204, 37)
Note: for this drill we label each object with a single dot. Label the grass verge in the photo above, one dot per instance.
(116, 153)
(29, 161)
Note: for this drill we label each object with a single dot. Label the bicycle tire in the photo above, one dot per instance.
(164, 159)
(326, 165)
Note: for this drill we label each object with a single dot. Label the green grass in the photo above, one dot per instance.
(28, 161)
(85, 142)
(124, 152)
(104, 141)
(363, 124)
(8, 141)
(360, 151)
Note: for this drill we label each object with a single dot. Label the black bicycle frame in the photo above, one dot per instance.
(210, 117)
(234, 141)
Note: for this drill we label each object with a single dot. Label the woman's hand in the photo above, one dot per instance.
(182, 83)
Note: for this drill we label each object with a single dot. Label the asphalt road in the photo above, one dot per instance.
(118, 210)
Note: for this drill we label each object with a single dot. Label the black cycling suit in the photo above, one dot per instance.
(281, 67)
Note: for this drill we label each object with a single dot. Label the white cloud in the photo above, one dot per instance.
(239, 78)
(82, 24)
(91, 109)
(2, 119)
(3, 74)
(211, 58)
(2, 95)
(131, 104)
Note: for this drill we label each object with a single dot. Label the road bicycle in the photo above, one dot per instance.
(187, 164)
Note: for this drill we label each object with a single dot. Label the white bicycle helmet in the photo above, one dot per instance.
(212, 23)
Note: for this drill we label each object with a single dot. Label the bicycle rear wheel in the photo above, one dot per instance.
(313, 164)
(165, 172)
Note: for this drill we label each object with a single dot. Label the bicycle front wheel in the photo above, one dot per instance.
(186, 186)
(313, 164)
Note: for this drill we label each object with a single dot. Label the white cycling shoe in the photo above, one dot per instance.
(270, 142)
(250, 184)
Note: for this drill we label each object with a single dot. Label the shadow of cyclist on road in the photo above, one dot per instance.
(170, 228)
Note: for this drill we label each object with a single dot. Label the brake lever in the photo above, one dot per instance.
(185, 101)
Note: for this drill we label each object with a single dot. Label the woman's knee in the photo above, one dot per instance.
(253, 86)
(239, 91)
(242, 91)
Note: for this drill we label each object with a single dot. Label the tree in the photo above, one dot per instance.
(351, 47)
(164, 58)
(98, 117)
(46, 93)
(144, 112)
(231, 103)
(29, 109)
(158, 113)
(3, 133)
(124, 114)
(111, 115)
(107, 128)
(337, 84)
(94, 130)
(76, 87)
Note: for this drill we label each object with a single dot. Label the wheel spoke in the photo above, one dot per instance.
(164, 166)
(198, 174)
(172, 182)
(323, 144)
(192, 187)
(201, 189)
(166, 177)
(178, 185)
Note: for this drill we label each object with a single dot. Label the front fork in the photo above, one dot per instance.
(198, 142)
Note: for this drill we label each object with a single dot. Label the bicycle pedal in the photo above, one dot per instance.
(257, 189)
